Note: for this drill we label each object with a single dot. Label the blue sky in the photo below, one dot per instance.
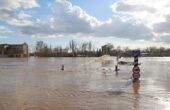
(136, 24)
(99, 9)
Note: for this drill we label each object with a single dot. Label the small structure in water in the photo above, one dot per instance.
(116, 68)
(62, 67)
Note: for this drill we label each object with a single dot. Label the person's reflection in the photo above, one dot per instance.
(105, 63)
(136, 87)
(116, 73)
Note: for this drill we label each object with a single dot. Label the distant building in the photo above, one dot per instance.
(106, 49)
(14, 50)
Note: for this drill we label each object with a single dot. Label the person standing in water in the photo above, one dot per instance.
(116, 66)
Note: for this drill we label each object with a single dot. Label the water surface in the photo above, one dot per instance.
(39, 84)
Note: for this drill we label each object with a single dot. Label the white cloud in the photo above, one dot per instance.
(153, 13)
(11, 12)
(3, 37)
(23, 15)
(67, 19)
(4, 30)
(127, 7)
(163, 27)
(72, 20)
(40, 29)
(147, 11)
(17, 19)
(14, 4)
(129, 29)
(165, 38)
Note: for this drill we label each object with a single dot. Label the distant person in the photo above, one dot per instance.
(117, 59)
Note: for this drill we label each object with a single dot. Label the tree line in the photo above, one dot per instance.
(87, 49)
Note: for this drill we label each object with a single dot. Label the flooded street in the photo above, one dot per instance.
(40, 84)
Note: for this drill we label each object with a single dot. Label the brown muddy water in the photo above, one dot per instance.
(39, 84)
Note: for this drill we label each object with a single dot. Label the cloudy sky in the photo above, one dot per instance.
(133, 23)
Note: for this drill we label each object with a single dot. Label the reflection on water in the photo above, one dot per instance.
(116, 73)
(40, 84)
(136, 87)
(106, 63)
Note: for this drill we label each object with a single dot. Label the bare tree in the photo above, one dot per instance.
(73, 47)
(89, 46)
(39, 49)
(84, 48)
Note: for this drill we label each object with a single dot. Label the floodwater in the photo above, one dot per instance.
(40, 84)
